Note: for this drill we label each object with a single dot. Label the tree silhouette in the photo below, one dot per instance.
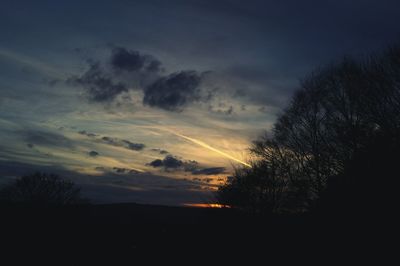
(256, 189)
(341, 117)
(41, 189)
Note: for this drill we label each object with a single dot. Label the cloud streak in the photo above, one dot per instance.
(205, 145)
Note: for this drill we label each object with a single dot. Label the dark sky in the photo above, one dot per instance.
(153, 101)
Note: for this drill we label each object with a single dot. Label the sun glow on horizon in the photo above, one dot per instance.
(206, 205)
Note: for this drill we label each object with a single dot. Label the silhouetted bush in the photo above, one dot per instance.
(41, 189)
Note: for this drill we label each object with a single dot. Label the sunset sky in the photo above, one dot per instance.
(155, 101)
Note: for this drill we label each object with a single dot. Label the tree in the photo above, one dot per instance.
(41, 189)
(257, 189)
(269, 185)
(332, 124)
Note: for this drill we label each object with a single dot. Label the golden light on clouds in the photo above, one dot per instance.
(205, 145)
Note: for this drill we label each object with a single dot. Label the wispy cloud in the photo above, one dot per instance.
(206, 146)
(38, 65)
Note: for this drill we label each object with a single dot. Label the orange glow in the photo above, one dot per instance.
(206, 205)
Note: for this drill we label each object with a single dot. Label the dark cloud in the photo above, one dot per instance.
(156, 163)
(84, 132)
(116, 170)
(209, 171)
(134, 146)
(93, 153)
(190, 165)
(160, 151)
(126, 68)
(45, 138)
(123, 143)
(129, 60)
(129, 68)
(171, 162)
(111, 141)
(173, 92)
(99, 86)
(120, 170)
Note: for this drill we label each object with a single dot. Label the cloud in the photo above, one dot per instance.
(129, 60)
(123, 143)
(126, 70)
(252, 84)
(117, 170)
(171, 162)
(99, 86)
(45, 138)
(221, 109)
(120, 170)
(93, 153)
(209, 171)
(111, 141)
(174, 91)
(160, 151)
(134, 146)
(156, 163)
(84, 132)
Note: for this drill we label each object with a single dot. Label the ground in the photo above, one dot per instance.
(118, 233)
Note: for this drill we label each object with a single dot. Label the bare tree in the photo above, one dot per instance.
(41, 189)
(339, 112)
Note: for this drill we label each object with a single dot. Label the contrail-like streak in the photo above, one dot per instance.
(205, 145)
(196, 141)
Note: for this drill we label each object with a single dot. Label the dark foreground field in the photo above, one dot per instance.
(128, 233)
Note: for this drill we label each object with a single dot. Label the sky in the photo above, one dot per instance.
(156, 102)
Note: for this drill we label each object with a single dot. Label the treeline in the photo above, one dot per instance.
(335, 148)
